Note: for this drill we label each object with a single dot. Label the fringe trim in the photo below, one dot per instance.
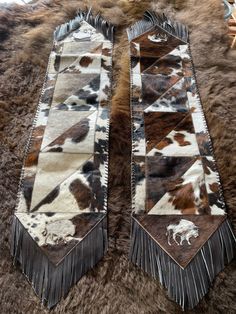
(51, 282)
(106, 28)
(185, 286)
(151, 19)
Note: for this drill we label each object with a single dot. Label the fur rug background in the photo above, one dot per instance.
(114, 286)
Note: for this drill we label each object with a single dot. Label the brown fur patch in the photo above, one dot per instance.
(163, 122)
(214, 187)
(38, 131)
(81, 193)
(179, 137)
(186, 125)
(183, 198)
(32, 157)
(164, 143)
(85, 61)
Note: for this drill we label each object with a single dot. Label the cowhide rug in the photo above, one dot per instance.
(115, 285)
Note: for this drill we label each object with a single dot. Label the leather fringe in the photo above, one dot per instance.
(151, 19)
(106, 28)
(185, 286)
(51, 282)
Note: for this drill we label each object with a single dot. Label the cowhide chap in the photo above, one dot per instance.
(60, 227)
(180, 231)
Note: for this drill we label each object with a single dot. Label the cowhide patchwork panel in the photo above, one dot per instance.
(173, 100)
(63, 194)
(175, 182)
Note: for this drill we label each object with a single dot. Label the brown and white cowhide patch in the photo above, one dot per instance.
(66, 168)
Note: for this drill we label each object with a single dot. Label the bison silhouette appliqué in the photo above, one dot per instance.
(184, 230)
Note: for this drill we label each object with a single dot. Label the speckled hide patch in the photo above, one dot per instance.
(63, 193)
(175, 184)
(66, 165)
(169, 131)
